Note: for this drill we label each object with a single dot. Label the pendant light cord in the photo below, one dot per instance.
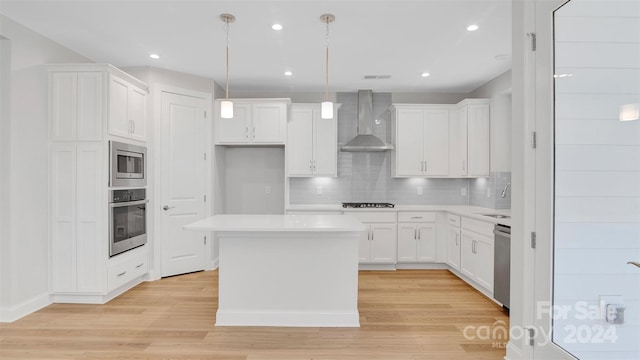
(326, 87)
(227, 25)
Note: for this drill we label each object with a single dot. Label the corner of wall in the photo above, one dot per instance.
(13, 313)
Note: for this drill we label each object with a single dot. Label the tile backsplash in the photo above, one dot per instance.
(366, 176)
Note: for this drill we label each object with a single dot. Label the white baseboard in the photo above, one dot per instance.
(513, 352)
(377, 267)
(97, 298)
(13, 313)
(422, 266)
(288, 318)
(213, 264)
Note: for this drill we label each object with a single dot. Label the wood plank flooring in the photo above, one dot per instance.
(404, 314)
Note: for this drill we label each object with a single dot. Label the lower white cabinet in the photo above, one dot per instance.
(454, 235)
(127, 267)
(378, 243)
(416, 237)
(476, 254)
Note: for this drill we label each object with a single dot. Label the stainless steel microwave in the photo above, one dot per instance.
(128, 165)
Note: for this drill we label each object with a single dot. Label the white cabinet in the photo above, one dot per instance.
(378, 243)
(311, 142)
(454, 235)
(78, 225)
(421, 134)
(469, 137)
(127, 109)
(76, 105)
(416, 237)
(255, 121)
(476, 260)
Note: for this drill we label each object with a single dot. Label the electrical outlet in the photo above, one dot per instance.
(419, 190)
(267, 189)
(319, 190)
(608, 300)
(463, 191)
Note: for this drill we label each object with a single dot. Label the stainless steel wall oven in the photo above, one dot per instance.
(127, 220)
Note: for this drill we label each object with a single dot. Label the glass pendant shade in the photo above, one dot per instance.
(226, 109)
(630, 112)
(326, 111)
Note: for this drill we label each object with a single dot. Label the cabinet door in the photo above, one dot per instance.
(300, 138)
(426, 242)
(409, 142)
(467, 255)
(63, 218)
(137, 113)
(234, 130)
(90, 106)
(364, 252)
(458, 143)
(63, 106)
(119, 123)
(269, 123)
(383, 243)
(453, 247)
(478, 143)
(484, 255)
(89, 238)
(407, 246)
(325, 145)
(436, 142)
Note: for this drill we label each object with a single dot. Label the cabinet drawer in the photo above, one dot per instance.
(453, 220)
(373, 216)
(416, 216)
(480, 227)
(121, 272)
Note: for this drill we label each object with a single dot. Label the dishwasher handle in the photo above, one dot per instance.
(502, 233)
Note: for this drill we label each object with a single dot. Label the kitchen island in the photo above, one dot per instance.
(286, 270)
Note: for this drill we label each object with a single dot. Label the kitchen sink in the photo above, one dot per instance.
(497, 216)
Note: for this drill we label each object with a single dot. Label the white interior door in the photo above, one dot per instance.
(587, 180)
(182, 183)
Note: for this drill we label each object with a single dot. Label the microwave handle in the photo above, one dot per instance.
(128, 203)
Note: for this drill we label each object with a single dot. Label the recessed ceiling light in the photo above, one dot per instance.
(276, 27)
(154, 56)
(472, 27)
(288, 73)
(425, 74)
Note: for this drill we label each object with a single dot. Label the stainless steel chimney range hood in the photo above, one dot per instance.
(365, 140)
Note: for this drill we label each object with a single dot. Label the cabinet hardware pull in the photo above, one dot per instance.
(122, 273)
(372, 236)
(425, 166)
(416, 217)
(457, 237)
(254, 132)
(415, 234)
(464, 166)
(634, 263)
(133, 123)
(421, 166)
(246, 132)
(419, 234)
(139, 265)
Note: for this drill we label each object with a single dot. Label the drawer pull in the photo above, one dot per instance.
(416, 217)
(139, 266)
(122, 273)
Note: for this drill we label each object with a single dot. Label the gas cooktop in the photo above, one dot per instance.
(367, 205)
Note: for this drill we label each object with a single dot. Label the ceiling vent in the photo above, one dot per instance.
(377, 77)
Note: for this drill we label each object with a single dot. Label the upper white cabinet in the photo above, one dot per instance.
(127, 109)
(76, 106)
(255, 121)
(311, 142)
(421, 134)
(469, 139)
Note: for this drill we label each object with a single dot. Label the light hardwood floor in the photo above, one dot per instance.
(404, 314)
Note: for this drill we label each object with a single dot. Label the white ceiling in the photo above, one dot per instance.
(397, 38)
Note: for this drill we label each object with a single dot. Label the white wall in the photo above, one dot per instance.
(427, 98)
(5, 151)
(499, 91)
(28, 169)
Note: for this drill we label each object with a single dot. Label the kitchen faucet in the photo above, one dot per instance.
(504, 191)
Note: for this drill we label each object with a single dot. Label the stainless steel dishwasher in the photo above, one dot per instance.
(502, 264)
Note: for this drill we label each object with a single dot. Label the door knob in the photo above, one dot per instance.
(167, 207)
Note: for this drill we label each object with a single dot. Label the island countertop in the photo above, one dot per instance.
(277, 223)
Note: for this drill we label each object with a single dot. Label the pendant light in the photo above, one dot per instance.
(226, 105)
(326, 111)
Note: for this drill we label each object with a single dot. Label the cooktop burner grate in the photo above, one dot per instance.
(367, 205)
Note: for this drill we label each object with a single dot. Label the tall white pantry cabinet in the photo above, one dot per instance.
(86, 109)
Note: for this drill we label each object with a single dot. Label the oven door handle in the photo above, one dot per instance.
(128, 203)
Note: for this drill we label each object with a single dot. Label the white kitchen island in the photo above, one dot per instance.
(286, 270)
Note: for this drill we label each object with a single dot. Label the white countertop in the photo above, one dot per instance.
(277, 223)
(474, 212)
